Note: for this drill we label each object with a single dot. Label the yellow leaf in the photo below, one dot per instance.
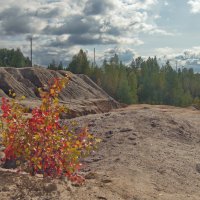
(56, 100)
(26, 150)
(37, 137)
(52, 91)
(23, 97)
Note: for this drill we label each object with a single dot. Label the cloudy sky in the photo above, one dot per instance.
(165, 28)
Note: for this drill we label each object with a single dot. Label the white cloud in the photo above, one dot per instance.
(166, 3)
(157, 16)
(169, 53)
(136, 4)
(195, 6)
(189, 58)
(165, 51)
(193, 53)
(125, 54)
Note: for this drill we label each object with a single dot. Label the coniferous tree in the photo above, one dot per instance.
(60, 66)
(144, 81)
(52, 65)
(13, 58)
(80, 63)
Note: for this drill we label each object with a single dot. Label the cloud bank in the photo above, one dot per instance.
(61, 26)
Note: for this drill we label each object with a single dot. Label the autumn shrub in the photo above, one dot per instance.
(40, 143)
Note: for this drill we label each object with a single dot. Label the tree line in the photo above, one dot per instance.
(143, 81)
(13, 58)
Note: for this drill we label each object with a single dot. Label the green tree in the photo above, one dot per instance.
(52, 65)
(124, 92)
(132, 82)
(60, 66)
(13, 58)
(80, 63)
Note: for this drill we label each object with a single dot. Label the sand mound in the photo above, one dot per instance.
(82, 95)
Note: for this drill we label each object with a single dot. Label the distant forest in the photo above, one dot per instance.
(13, 58)
(143, 81)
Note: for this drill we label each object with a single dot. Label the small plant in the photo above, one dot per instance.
(40, 143)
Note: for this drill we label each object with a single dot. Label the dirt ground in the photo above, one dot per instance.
(147, 153)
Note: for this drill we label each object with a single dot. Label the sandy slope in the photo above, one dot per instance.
(82, 95)
(147, 152)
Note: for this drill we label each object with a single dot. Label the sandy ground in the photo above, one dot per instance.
(147, 152)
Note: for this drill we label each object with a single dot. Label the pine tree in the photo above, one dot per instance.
(79, 64)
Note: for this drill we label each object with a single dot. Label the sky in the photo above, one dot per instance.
(168, 29)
